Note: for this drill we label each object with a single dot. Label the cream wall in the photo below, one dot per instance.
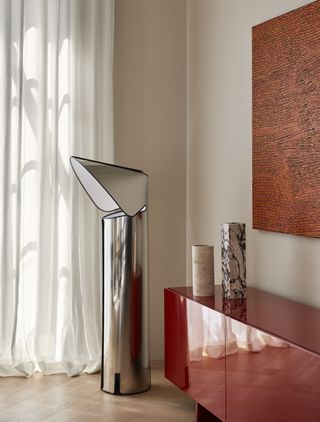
(150, 132)
(182, 105)
(219, 146)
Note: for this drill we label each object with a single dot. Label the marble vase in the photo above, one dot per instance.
(202, 270)
(233, 254)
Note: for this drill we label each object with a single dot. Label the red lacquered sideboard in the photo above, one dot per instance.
(252, 360)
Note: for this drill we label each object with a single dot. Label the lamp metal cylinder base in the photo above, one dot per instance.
(125, 343)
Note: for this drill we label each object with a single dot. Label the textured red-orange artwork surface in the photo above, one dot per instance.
(286, 123)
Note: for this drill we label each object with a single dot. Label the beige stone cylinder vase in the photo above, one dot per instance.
(202, 270)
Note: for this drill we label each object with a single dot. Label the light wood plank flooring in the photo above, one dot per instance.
(57, 398)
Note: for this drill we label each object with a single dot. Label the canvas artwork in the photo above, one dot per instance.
(286, 122)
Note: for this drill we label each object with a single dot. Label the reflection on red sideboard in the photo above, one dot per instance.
(255, 360)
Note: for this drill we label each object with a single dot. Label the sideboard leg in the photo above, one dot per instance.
(203, 415)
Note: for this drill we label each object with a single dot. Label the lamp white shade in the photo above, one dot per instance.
(112, 188)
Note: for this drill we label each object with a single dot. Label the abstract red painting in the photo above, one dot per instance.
(286, 122)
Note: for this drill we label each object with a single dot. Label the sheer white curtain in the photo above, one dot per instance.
(56, 101)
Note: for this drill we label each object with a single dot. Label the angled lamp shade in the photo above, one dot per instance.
(121, 193)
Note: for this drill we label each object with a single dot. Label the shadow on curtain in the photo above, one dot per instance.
(56, 70)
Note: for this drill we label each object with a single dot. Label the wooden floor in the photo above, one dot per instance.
(57, 398)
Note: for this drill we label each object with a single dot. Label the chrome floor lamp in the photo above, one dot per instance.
(121, 193)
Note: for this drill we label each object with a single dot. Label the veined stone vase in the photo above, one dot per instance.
(233, 254)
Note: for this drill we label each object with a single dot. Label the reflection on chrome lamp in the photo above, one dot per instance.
(122, 193)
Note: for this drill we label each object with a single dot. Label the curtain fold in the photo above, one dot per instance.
(56, 79)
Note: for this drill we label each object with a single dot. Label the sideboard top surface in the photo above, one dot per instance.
(288, 320)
